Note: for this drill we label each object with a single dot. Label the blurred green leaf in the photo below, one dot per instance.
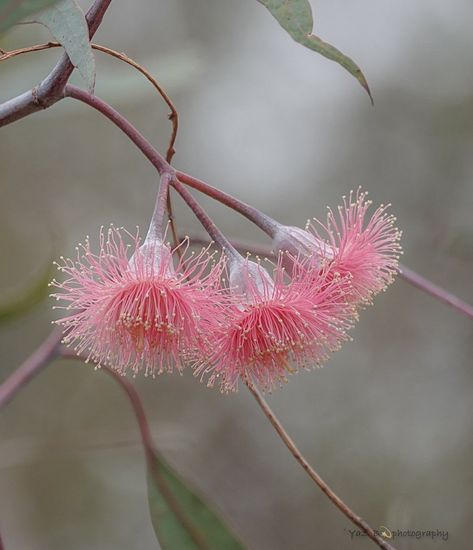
(24, 302)
(295, 17)
(12, 11)
(68, 25)
(181, 520)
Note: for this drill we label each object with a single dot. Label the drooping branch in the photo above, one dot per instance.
(51, 89)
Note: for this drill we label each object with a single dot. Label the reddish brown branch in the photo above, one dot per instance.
(344, 508)
(152, 154)
(436, 291)
(39, 359)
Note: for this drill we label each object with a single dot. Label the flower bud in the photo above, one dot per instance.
(151, 258)
(250, 281)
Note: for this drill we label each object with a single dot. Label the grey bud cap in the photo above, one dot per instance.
(153, 257)
(250, 280)
(298, 241)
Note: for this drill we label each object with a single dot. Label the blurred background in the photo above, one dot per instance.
(388, 421)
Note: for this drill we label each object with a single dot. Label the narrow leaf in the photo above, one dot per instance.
(12, 11)
(68, 25)
(295, 16)
(181, 520)
(24, 302)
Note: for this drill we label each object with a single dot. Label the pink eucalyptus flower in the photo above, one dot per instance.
(139, 313)
(361, 249)
(276, 327)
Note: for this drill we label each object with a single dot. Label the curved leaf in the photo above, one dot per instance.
(295, 17)
(181, 520)
(68, 25)
(12, 11)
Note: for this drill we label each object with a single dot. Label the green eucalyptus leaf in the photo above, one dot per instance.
(67, 23)
(12, 11)
(24, 302)
(181, 519)
(295, 17)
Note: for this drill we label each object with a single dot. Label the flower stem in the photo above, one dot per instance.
(155, 231)
(39, 359)
(344, 508)
(263, 221)
(206, 221)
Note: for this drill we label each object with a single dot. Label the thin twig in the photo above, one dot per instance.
(39, 359)
(436, 291)
(152, 154)
(5, 55)
(173, 116)
(344, 508)
(50, 90)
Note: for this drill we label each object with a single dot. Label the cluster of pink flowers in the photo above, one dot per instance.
(146, 307)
